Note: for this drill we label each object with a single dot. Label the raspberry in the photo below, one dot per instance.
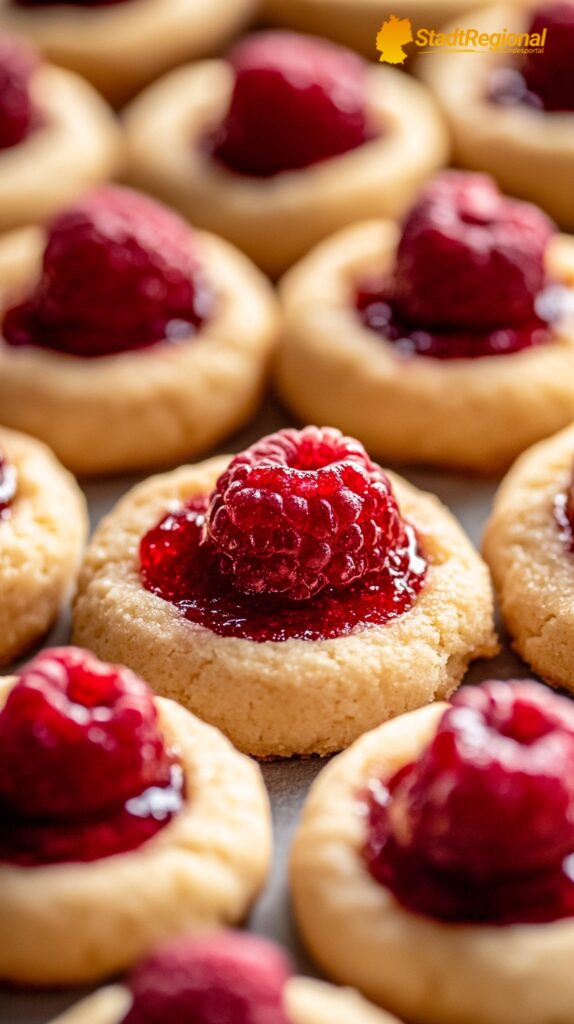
(77, 737)
(18, 117)
(469, 257)
(296, 100)
(301, 511)
(216, 979)
(550, 73)
(7, 483)
(493, 794)
(120, 272)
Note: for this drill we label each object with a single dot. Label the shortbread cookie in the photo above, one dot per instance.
(514, 116)
(429, 868)
(449, 341)
(57, 136)
(248, 973)
(357, 23)
(125, 820)
(129, 340)
(121, 46)
(43, 527)
(285, 142)
(282, 595)
(528, 545)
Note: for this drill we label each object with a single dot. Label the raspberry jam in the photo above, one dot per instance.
(375, 307)
(221, 978)
(7, 486)
(297, 100)
(178, 567)
(85, 772)
(120, 273)
(479, 829)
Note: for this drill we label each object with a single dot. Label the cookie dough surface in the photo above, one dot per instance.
(421, 969)
(121, 47)
(307, 1002)
(143, 408)
(276, 220)
(474, 414)
(530, 152)
(79, 145)
(41, 544)
(530, 559)
(294, 697)
(72, 923)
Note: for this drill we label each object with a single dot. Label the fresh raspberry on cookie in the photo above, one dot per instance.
(120, 272)
(469, 256)
(215, 979)
(296, 100)
(301, 511)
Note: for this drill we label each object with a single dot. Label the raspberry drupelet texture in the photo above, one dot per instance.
(214, 979)
(18, 114)
(297, 100)
(84, 735)
(8, 484)
(120, 272)
(85, 770)
(301, 511)
(469, 256)
(549, 73)
(481, 826)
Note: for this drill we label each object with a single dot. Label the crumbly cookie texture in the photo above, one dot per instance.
(79, 145)
(67, 924)
(307, 1002)
(476, 414)
(355, 23)
(361, 936)
(529, 152)
(121, 47)
(295, 697)
(41, 544)
(275, 221)
(531, 564)
(142, 409)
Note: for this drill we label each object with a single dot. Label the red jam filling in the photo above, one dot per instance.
(375, 306)
(18, 114)
(301, 538)
(120, 273)
(86, 773)
(480, 828)
(469, 278)
(543, 79)
(224, 977)
(8, 484)
(296, 101)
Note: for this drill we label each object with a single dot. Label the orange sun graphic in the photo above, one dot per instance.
(394, 34)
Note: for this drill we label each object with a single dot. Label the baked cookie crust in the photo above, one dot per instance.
(142, 408)
(66, 924)
(41, 543)
(122, 47)
(419, 968)
(531, 564)
(474, 414)
(355, 23)
(307, 1002)
(295, 697)
(276, 220)
(530, 152)
(79, 145)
